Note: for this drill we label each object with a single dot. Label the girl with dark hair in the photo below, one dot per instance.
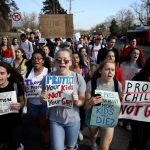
(79, 66)
(20, 60)
(104, 80)
(36, 109)
(85, 57)
(46, 61)
(15, 43)
(11, 123)
(7, 51)
(140, 132)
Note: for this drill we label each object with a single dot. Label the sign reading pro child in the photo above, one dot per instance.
(60, 89)
(136, 101)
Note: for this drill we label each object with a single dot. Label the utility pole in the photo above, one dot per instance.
(70, 6)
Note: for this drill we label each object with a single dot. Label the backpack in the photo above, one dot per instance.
(94, 84)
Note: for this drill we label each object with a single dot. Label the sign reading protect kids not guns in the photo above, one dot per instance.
(6, 98)
(106, 114)
(60, 89)
(136, 101)
(33, 87)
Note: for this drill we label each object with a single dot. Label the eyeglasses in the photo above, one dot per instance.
(59, 61)
(38, 59)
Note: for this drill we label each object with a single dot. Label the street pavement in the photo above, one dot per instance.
(32, 140)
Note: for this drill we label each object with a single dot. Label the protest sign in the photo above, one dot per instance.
(136, 101)
(106, 114)
(33, 87)
(6, 98)
(60, 89)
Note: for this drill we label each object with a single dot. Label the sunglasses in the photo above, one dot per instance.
(59, 61)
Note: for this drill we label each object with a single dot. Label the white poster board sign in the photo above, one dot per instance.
(136, 101)
(6, 98)
(33, 87)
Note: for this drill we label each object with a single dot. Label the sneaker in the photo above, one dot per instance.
(24, 110)
(94, 146)
(21, 147)
(80, 136)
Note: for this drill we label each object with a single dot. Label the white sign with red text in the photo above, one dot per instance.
(17, 20)
(136, 101)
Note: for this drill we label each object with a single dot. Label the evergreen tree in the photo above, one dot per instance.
(53, 7)
(6, 7)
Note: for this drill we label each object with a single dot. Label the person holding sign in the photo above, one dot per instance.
(64, 121)
(140, 132)
(103, 79)
(33, 79)
(10, 119)
(130, 66)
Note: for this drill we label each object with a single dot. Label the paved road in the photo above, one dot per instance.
(32, 140)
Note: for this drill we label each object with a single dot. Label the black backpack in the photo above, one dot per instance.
(94, 84)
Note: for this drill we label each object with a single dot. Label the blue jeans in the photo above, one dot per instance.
(64, 133)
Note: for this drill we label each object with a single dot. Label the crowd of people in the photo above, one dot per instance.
(94, 63)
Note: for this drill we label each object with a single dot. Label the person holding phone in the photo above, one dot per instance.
(104, 80)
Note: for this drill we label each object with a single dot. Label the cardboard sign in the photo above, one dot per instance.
(60, 89)
(136, 101)
(6, 98)
(106, 114)
(56, 25)
(33, 87)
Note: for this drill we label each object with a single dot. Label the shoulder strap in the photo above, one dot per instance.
(93, 86)
(27, 74)
(77, 78)
(29, 46)
(15, 88)
(116, 85)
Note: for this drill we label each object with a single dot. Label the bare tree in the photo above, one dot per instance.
(30, 21)
(142, 11)
(125, 19)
